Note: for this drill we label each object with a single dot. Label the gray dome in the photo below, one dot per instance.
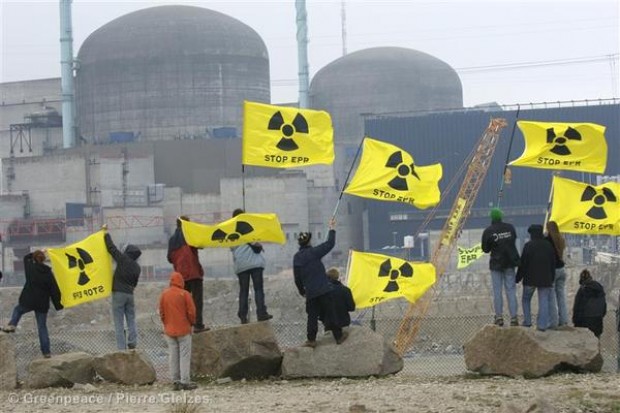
(168, 72)
(379, 80)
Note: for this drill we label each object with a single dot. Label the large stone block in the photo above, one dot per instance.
(364, 353)
(246, 351)
(521, 351)
(61, 371)
(126, 367)
(8, 366)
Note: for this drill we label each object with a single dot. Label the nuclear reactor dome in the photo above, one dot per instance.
(169, 72)
(380, 80)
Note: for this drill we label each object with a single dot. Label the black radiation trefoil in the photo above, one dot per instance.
(560, 141)
(288, 130)
(242, 228)
(385, 270)
(81, 261)
(597, 211)
(399, 182)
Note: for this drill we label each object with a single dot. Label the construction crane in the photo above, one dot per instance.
(476, 172)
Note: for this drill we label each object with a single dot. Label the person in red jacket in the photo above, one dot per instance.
(184, 260)
(178, 314)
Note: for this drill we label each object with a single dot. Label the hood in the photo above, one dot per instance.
(176, 280)
(133, 251)
(594, 287)
(536, 231)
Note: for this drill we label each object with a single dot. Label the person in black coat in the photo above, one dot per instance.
(39, 288)
(590, 305)
(125, 280)
(312, 283)
(537, 270)
(343, 300)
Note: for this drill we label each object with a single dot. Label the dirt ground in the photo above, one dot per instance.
(588, 393)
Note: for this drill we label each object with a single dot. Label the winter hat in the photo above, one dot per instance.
(496, 214)
(535, 229)
(304, 238)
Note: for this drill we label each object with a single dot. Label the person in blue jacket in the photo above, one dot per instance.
(249, 264)
(312, 282)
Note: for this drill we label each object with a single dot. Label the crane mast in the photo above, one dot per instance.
(476, 172)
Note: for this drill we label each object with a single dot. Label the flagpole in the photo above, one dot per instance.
(500, 193)
(555, 173)
(346, 181)
(243, 184)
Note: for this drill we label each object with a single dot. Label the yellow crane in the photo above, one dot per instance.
(476, 172)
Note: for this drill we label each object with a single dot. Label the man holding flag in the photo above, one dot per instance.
(312, 282)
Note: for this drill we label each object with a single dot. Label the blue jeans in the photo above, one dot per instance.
(544, 298)
(557, 304)
(44, 337)
(123, 307)
(505, 278)
(244, 291)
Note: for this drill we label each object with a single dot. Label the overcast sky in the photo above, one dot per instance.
(504, 51)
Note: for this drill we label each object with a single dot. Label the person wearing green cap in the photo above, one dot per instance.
(499, 239)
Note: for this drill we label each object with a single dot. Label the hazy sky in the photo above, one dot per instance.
(504, 51)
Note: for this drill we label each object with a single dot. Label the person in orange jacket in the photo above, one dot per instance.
(178, 314)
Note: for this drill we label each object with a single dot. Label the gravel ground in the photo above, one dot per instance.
(564, 393)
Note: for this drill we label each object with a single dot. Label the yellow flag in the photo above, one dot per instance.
(563, 146)
(285, 137)
(579, 208)
(374, 278)
(83, 270)
(388, 173)
(239, 230)
(468, 255)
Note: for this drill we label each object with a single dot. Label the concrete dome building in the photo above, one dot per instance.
(169, 72)
(379, 80)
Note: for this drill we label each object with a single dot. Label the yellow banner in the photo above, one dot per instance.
(374, 278)
(468, 255)
(285, 137)
(563, 146)
(579, 208)
(454, 221)
(83, 270)
(388, 173)
(239, 230)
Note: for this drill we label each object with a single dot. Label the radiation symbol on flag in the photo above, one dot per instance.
(597, 211)
(386, 270)
(288, 130)
(404, 171)
(242, 228)
(81, 261)
(560, 141)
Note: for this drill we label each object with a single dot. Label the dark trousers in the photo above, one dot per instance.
(195, 289)
(44, 337)
(244, 290)
(323, 306)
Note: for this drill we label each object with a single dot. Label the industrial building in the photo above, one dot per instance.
(158, 115)
(448, 137)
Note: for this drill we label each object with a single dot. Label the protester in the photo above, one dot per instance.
(500, 240)
(184, 260)
(249, 263)
(312, 283)
(178, 313)
(39, 288)
(557, 308)
(537, 270)
(343, 300)
(590, 305)
(125, 280)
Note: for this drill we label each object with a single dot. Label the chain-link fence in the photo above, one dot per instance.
(437, 350)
